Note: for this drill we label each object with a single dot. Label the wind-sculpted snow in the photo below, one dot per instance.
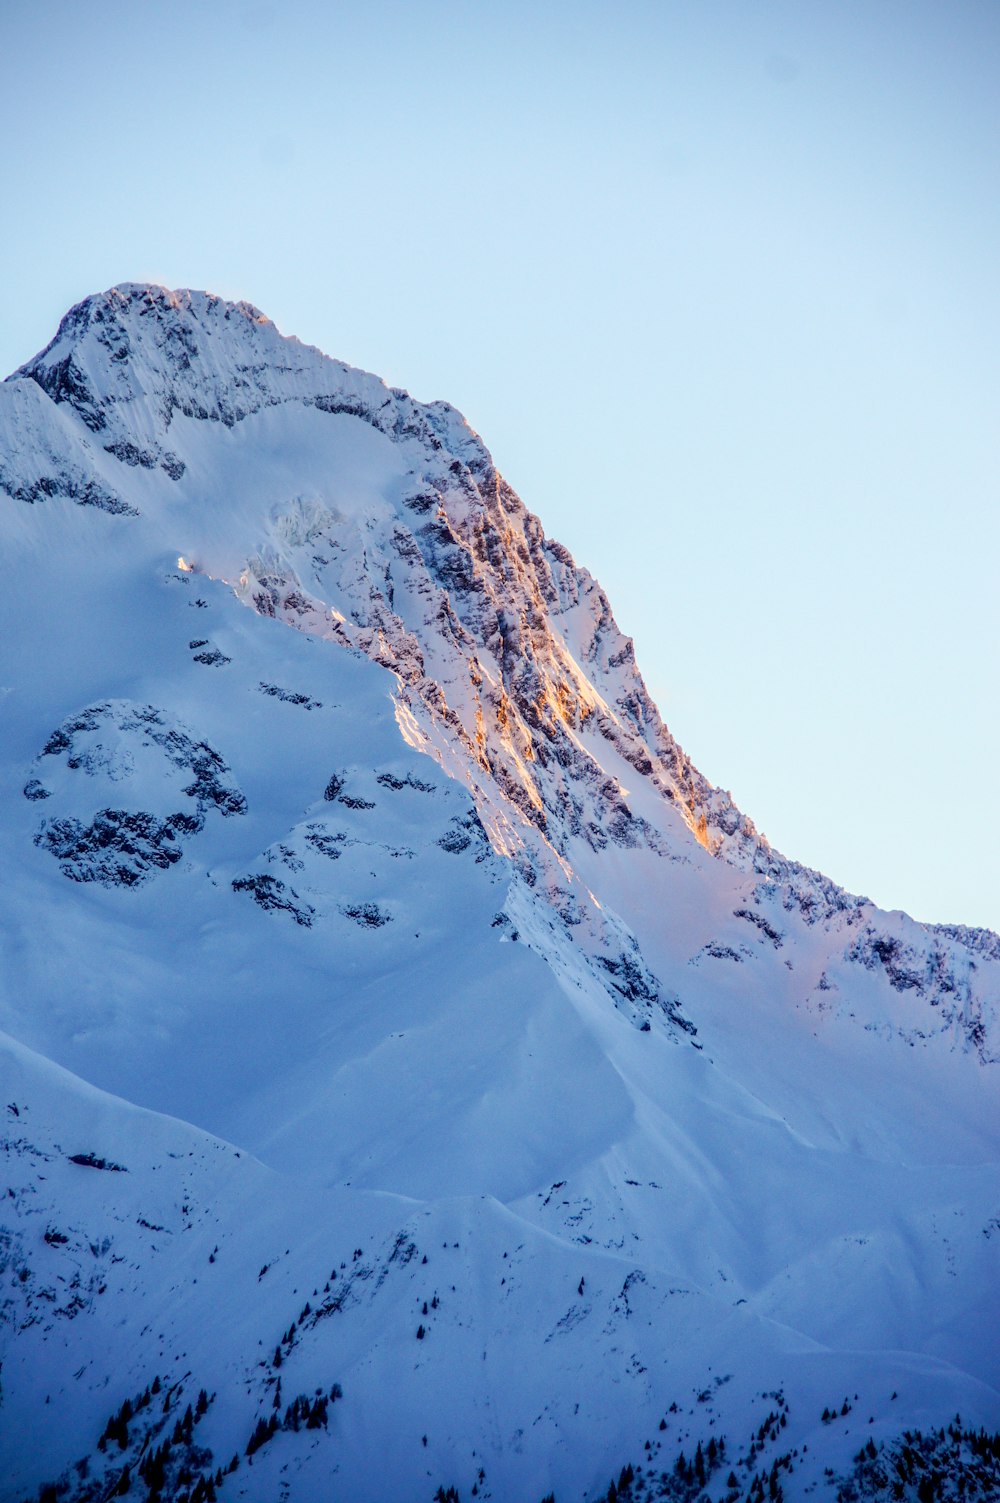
(490, 1108)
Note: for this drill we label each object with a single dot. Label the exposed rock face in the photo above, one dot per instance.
(117, 848)
(105, 742)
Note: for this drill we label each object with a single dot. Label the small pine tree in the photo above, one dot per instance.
(317, 1415)
(261, 1435)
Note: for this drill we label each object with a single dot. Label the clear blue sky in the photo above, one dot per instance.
(717, 282)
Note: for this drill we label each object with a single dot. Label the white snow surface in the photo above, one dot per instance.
(363, 920)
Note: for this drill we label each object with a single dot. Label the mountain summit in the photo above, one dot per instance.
(419, 1076)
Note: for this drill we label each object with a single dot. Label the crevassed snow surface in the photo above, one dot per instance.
(369, 945)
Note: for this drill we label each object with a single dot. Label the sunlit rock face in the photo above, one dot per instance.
(461, 1042)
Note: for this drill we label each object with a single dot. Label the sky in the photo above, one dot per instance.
(716, 280)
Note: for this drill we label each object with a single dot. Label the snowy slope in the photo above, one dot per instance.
(339, 827)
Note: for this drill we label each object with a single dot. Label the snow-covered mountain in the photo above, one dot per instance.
(412, 1064)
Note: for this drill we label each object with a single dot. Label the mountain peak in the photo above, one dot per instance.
(340, 824)
(127, 360)
(121, 305)
(186, 348)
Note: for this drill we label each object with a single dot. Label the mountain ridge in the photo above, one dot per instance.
(62, 380)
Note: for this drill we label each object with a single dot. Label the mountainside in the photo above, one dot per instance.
(403, 1039)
